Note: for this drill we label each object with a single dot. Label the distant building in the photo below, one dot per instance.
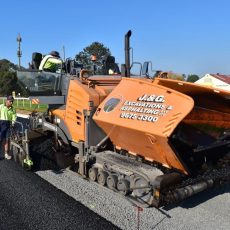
(215, 80)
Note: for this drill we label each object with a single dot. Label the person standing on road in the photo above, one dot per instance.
(7, 119)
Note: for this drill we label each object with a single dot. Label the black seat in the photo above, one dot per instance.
(36, 60)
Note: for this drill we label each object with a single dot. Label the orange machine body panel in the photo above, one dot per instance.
(83, 96)
(212, 105)
(139, 116)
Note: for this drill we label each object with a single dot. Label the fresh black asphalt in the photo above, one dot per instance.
(29, 202)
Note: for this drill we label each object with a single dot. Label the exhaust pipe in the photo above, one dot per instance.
(127, 52)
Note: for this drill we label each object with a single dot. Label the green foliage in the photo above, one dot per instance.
(7, 82)
(8, 78)
(176, 76)
(6, 65)
(192, 78)
(97, 49)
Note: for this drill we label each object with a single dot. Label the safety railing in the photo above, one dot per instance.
(24, 103)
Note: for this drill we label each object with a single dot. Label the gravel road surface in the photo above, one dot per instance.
(208, 210)
(28, 202)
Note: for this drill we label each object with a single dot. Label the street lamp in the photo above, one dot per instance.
(19, 52)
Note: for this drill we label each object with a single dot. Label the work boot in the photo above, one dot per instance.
(7, 156)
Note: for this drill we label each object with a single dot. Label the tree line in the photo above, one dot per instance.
(8, 78)
(10, 83)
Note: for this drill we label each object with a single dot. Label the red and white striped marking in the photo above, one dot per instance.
(35, 101)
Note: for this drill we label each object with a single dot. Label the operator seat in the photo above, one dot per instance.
(36, 60)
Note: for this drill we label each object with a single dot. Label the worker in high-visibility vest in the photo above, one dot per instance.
(51, 62)
(7, 118)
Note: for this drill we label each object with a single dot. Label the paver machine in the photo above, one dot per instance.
(156, 141)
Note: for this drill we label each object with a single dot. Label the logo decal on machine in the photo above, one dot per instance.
(111, 104)
(146, 108)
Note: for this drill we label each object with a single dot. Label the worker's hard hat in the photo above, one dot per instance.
(55, 54)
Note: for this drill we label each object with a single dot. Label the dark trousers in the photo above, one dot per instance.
(4, 129)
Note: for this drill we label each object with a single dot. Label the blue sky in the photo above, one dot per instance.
(190, 37)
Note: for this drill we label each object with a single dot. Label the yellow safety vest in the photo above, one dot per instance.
(7, 114)
(50, 63)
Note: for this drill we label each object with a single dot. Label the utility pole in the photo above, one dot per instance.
(63, 48)
(19, 52)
